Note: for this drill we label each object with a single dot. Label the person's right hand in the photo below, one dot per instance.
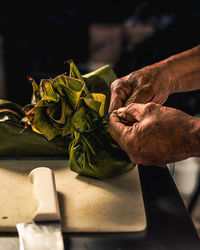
(152, 134)
(149, 84)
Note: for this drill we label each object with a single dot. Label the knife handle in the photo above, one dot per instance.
(44, 190)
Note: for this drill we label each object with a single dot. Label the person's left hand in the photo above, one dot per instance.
(153, 83)
(154, 134)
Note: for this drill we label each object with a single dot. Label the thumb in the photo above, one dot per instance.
(129, 113)
(117, 129)
(115, 102)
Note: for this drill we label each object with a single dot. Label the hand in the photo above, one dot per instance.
(155, 135)
(149, 84)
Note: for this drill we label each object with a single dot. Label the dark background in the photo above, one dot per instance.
(39, 36)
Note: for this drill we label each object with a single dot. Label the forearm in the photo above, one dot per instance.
(184, 70)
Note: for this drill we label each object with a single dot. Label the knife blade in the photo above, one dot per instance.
(44, 232)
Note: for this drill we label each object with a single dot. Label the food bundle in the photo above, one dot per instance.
(69, 116)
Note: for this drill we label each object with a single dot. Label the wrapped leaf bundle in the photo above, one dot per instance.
(20, 142)
(67, 107)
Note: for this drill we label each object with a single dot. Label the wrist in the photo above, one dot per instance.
(168, 78)
(170, 75)
(183, 70)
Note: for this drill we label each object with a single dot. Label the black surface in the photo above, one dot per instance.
(169, 226)
(194, 197)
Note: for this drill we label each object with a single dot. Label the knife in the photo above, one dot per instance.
(44, 232)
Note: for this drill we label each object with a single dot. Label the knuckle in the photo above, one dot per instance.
(150, 106)
(133, 76)
(115, 85)
(125, 112)
(149, 87)
(129, 109)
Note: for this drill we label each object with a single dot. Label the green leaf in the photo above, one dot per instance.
(60, 112)
(81, 120)
(101, 98)
(75, 106)
(17, 141)
(41, 122)
(92, 103)
(71, 88)
(99, 81)
(49, 94)
(74, 72)
(36, 90)
(12, 108)
(105, 73)
(94, 154)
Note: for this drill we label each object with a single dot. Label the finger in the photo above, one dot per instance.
(115, 102)
(126, 115)
(118, 97)
(140, 96)
(118, 130)
(159, 100)
(120, 91)
(133, 112)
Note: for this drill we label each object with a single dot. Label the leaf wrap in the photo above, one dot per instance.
(69, 110)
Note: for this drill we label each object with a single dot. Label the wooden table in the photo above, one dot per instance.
(169, 225)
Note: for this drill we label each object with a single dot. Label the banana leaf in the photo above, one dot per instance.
(67, 118)
(99, 81)
(76, 106)
(17, 141)
(95, 154)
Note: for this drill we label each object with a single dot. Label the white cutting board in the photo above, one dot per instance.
(86, 204)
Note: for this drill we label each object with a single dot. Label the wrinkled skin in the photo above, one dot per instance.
(149, 133)
(154, 83)
(149, 84)
(154, 134)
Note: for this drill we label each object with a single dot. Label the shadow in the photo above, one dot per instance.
(120, 181)
(119, 197)
(62, 201)
(24, 165)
